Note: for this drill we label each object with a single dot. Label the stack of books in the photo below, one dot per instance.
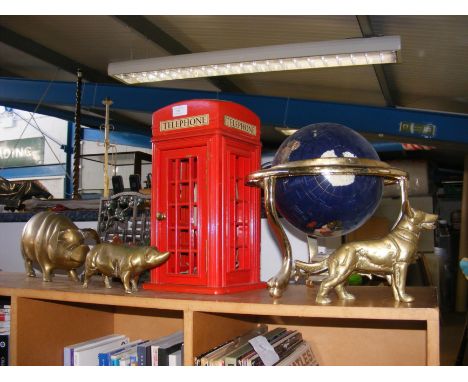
(261, 347)
(4, 332)
(117, 350)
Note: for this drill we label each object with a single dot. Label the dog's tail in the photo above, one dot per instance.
(312, 267)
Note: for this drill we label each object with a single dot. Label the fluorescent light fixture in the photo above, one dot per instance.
(323, 54)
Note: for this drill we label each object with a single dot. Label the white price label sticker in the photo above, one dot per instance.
(264, 349)
(179, 110)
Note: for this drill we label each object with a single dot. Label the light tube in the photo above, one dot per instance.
(324, 54)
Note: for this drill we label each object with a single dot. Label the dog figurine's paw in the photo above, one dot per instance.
(346, 296)
(276, 286)
(296, 275)
(322, 300)
(406, 298)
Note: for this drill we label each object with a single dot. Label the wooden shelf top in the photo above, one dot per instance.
(372, 302)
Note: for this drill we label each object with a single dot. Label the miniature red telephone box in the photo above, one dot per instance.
(202, 212)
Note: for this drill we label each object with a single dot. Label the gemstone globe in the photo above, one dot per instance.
(326, 205)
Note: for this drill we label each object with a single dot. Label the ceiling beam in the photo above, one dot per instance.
(158, 36)
(386, 121)
(50, 56)
(367, 31)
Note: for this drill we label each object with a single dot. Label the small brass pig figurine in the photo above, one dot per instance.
(126, 263)
(55, 242)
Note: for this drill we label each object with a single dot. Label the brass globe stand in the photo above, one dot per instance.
(266, 179)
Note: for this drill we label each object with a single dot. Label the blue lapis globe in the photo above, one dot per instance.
(326, 205)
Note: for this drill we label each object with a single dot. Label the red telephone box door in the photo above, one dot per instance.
(182, 181)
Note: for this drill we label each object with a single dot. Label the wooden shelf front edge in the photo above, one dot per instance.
(298, 300)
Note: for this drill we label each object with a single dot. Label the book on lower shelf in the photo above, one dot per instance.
(276, 347)
(216, 356)
(4, 349)
(175, 359)
(5, 318)
(301, 356)
(160, 350)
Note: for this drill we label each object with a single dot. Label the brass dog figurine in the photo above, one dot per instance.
(388, 257)
(55, 242)
(124, 262)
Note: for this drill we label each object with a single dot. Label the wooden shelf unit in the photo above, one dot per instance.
(372, 330)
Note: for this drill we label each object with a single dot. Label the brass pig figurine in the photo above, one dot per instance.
(126, 263)
(55, 242)
(389, 257)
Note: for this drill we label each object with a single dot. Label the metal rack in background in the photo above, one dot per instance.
(125, 218)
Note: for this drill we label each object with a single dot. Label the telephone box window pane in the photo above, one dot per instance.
(195, 193)
(184, 263)
(171, 263)
(194, 239)
(184, 217)
(183, 192)
(194, 216)
(183, 171)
